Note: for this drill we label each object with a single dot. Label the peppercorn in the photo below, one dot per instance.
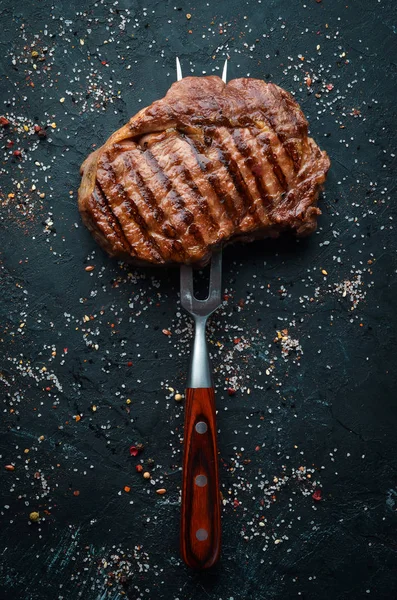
(139, 468)
(34, 517)
(4, 122)
(178, 397)
(146, 475)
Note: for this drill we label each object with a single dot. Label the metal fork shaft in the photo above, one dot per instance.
(200, 368)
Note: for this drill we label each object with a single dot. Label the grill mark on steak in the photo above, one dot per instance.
(283, 141)
(186, 215)
(102, 201)
(253, 165)
(146, 193)
(133, 210)
(233, 170)
(168, 229)
(290, 116)
(219, 217)
(201, 202)
(237, 167)
(268, 152)
(223, 197)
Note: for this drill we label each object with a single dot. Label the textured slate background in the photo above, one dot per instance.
(328, 412)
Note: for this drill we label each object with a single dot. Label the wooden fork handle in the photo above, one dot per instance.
(200, 523)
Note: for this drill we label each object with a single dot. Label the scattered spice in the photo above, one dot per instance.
(317, 495)
(136, 449)
(10, 468)
(34, 517)
(161, 491)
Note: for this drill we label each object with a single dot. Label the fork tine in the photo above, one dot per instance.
(224, 72)
(186, 282)
(178, 70)
(216, 276)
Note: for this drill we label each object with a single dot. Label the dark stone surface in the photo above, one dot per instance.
(331, 409)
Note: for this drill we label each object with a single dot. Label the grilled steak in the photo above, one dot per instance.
(207, 164)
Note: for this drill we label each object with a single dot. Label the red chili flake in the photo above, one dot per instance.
(9, 144)
(236, 503)
(241, 303)
(139, 468)
(167, 332)
(231, 391)
(257, 448)
(40, 131)
(76, 493)
(236, 340)
(127, 489)
(330, 86)
(4, 122)
(226, 297)
(129, 364)
(48, 389)
(10, 468)
(103, 62)
(317, 495)
(135, 450)
(65, 350)
(17, 153)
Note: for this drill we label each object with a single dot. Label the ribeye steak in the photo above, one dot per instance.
(207, 164)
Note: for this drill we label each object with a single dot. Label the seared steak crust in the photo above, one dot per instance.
(207, 164)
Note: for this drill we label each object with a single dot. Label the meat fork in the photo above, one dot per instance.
(200, 518)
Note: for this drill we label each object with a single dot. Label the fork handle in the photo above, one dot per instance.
(200, 523)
